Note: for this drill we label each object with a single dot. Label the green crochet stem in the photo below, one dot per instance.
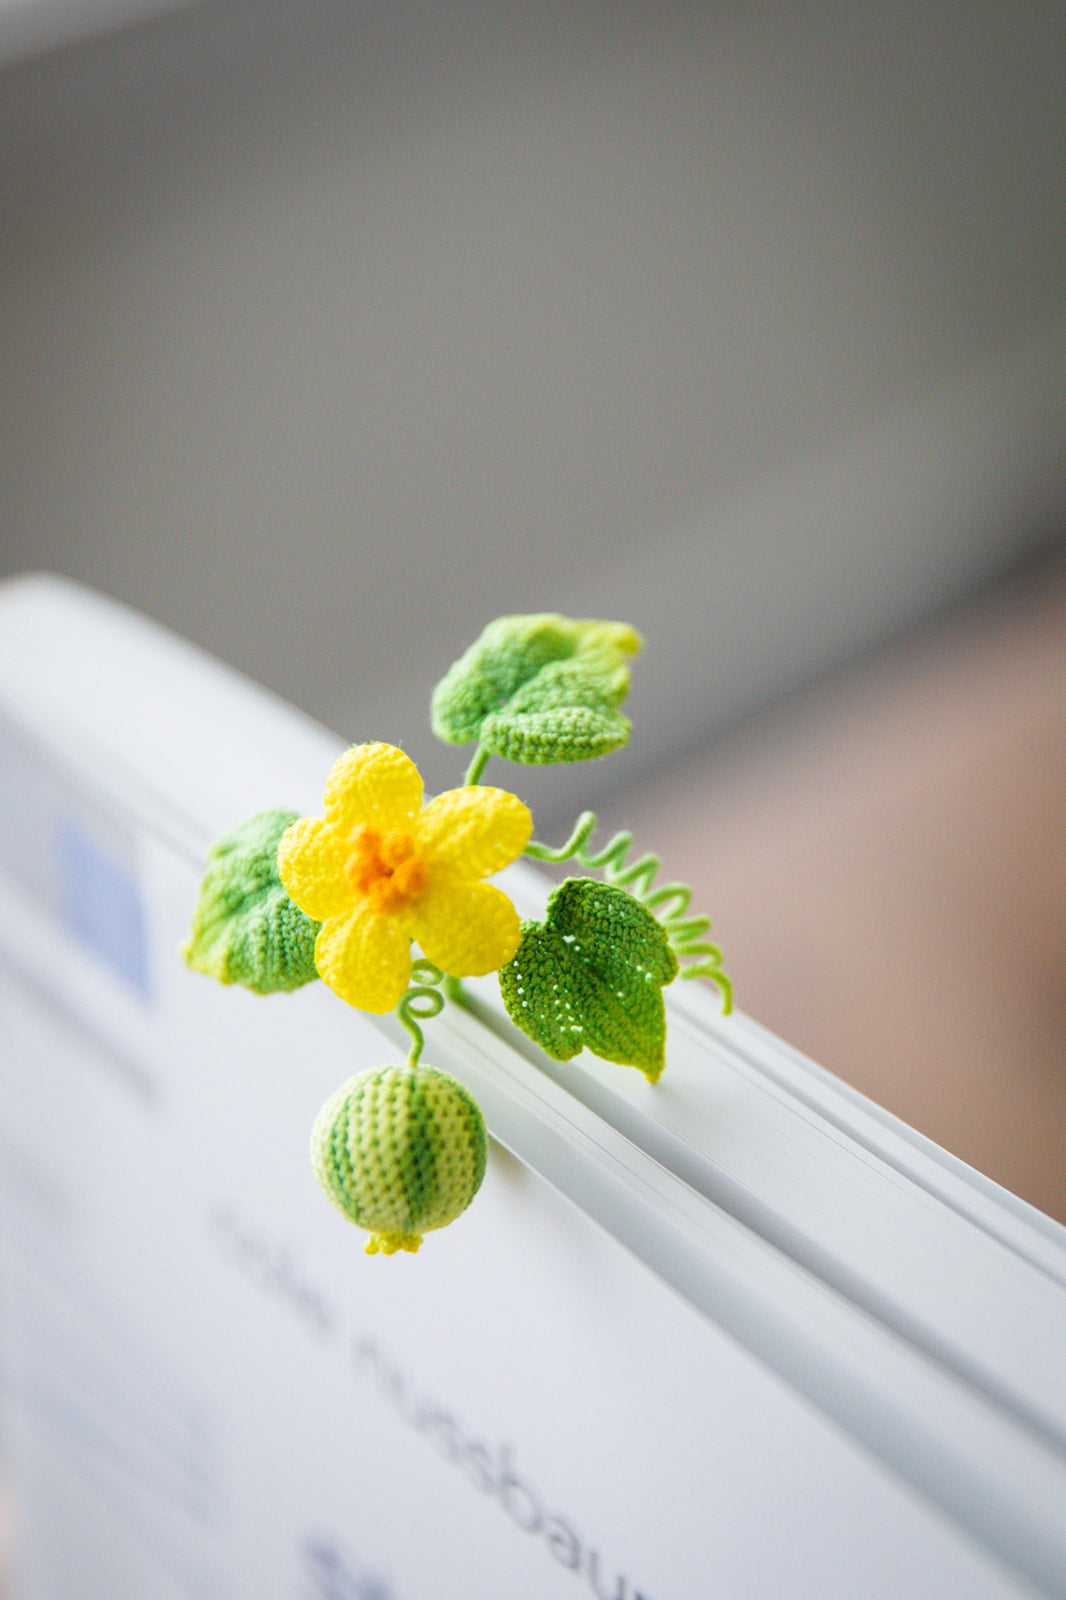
(684, 933)
(422, 1001)
(453, 990)
(477, 766)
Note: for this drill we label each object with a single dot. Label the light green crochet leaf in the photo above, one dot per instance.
(591, 974)
(245, 928)
(539, 689)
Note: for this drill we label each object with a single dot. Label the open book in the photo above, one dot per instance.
(739, 1334)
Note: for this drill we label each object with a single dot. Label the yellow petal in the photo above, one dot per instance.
(466, 929)
(365, 959)
(473, 832)
(375, 784)
(311, 866)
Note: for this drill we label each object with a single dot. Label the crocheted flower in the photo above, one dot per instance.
(380, 870)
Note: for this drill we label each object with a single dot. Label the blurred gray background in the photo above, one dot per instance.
(329, 331)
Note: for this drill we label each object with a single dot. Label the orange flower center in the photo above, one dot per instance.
(383, 868)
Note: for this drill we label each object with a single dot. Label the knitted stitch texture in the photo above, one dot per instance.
(400, 1151)
(592, 974)
(379, 870)
(245, 928)
(539, 689)
(383, 896)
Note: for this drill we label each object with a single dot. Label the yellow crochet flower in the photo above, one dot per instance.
(380, 870)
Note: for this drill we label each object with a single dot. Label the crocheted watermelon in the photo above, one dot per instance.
(400, 1151)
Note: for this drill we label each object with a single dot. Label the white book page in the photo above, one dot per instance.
(212, 1390)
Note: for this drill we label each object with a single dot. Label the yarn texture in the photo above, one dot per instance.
(379, 870)
(245, 928)
(539, 689)
(591, 974)
(400, 1151)
(697, 956)
(384, 897)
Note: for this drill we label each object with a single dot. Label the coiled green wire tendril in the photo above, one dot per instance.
(686, 934)
(422, 1001)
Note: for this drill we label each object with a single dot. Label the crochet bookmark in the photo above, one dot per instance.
(400, 1149)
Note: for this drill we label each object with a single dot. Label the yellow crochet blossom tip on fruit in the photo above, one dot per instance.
(381, 869)
(387, 1244)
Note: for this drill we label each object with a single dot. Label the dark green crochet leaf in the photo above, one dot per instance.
(591, 974)
(539, 689)
(245, 928)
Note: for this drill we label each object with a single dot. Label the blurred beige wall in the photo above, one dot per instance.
(884, 858)
(329, 331)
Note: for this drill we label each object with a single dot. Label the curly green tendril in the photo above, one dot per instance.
(286, 899)
(686, 934)
(422, 1001)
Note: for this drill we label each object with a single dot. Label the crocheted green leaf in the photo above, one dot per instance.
(591, 974)
(539, 689)
(245, 928)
